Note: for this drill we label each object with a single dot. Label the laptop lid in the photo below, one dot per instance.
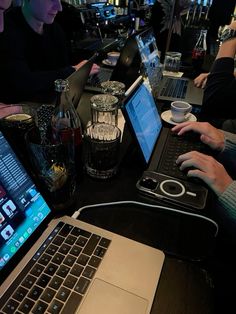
(78, 79)
(140, 112)
(128, 65)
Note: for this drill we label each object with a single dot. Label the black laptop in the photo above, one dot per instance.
(126, 69)
(159, 149)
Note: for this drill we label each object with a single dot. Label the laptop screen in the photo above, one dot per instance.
(141, 111)
(22, 207)
(150, 56)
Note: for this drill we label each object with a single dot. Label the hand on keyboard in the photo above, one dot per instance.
(209, 135)
(206, 168)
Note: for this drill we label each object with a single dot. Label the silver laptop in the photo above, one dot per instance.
(164, 87)
(65, 265)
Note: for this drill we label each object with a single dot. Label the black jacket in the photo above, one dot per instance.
(29, 62)
(220, 92)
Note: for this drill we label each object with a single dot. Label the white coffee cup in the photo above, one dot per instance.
(180, 111)
(113, 56)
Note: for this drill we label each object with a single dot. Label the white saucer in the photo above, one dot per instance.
(166, 116)
(107, 62)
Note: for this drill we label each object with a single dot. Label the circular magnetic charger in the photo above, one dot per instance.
(172, 188)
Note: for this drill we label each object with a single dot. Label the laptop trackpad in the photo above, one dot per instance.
(106, 299)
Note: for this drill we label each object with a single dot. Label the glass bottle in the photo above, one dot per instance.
(65, 123)
(199, 51)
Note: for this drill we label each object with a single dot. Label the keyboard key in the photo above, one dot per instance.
(89, 272)
(56, 282)
(48, 295)
(45, 259)
(70, 281)
(55, 307)
(81, 241)
(35, 292)
(70, 240)
(82, 285)
(77, 232)
(43, 280)
(72, 303)
(104, 242)
(58, 258)
(63, 271)
(75, 250)
(64, 249)
(10, 307)
(83, 259)
(90, 246)
(29, 281)
(69, 260)
(63, 294)
(51, 269)
(94, 261)
(40, 308)
(37, 270)
(77, 270)
(100, 251)
(66, 229)
(26, 306)
(20, 293)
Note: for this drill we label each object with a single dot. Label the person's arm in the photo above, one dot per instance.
(207, 169)
(228, 47)
(220, 87)
(200, 80)
(202, 166)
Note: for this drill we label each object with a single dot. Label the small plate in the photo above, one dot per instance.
(166, 116)
(107, 62)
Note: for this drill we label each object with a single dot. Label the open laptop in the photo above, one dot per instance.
(126, 69)
(159, 149)
(164, 87)
(65, 265)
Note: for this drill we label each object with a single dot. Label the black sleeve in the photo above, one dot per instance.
(19, 80)
(220, 91)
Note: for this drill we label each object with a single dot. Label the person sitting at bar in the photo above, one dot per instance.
(33, 53)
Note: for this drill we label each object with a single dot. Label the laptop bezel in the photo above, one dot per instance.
(131, 129)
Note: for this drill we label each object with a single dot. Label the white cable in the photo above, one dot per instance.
(78, 212)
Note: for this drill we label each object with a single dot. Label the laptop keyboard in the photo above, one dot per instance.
(102, 76)
(175, 146)
(59, 274)
(174, 88)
